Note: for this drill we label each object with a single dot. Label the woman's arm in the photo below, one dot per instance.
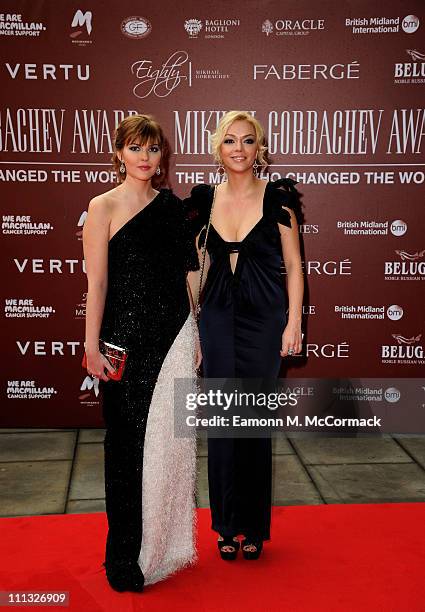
(194, 276)
(95, 244)
(295, 284)
(193, 279)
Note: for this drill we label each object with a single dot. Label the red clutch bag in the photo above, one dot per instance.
(116, 356)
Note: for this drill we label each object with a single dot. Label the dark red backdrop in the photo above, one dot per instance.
(339, 90)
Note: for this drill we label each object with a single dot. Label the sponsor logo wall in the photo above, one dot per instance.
(340, 94)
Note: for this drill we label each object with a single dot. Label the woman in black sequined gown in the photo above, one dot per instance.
(243, 326)
(138, 253)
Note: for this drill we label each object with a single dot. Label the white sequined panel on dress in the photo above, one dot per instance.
(169, 470)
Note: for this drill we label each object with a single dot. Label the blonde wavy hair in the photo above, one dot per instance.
(223, 125)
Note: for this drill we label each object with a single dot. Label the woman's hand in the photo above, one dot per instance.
(96, 364)
(291, 339)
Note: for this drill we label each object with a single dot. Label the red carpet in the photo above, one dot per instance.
(338, 558)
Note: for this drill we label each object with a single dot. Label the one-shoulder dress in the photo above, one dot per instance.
(149, 474)
(242, 318)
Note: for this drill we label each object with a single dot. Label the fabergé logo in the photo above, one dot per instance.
(161, 81)
(326, 268)
(302, 72)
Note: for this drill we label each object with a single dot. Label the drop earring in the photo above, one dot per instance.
(122, 167)
(158, 171)
(255, 168)
(221, 172)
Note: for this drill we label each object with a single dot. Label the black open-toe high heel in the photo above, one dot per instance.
(125, 577)
(228, 555)
(252, 554)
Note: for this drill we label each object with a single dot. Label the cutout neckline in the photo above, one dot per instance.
(252, 228)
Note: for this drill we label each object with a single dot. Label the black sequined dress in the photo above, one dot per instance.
(149, 475)
(242, 318)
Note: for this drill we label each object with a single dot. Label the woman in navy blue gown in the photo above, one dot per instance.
(244, 326)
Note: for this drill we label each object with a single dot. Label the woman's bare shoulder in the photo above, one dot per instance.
(104, 204)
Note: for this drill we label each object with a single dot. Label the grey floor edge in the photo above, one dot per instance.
(60, 471)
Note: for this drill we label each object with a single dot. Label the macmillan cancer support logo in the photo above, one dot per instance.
(11, 24)
(163, 80)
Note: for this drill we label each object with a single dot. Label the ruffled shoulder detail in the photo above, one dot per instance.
(281, 195)
(197, 207)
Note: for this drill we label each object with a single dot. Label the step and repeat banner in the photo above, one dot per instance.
(339, 89)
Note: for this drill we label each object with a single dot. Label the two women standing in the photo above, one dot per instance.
(139, 248)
